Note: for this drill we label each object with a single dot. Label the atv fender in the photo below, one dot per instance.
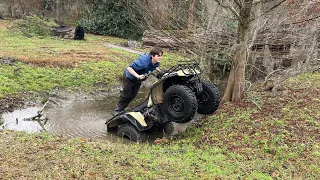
(156, 93)
(135, 118)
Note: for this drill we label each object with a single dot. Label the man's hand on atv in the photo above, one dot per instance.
(160, 74)
(141, 77)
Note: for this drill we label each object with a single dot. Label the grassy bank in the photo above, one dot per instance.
(271, 135)
(44, 156)
(277, 137)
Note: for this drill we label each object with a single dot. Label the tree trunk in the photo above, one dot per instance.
(22, 8)
(58, 11)
(191, 14)
(10, 5)
(235, 86)
(229, 89)
(239, 75)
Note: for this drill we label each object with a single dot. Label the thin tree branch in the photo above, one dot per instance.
(255, 3)
(273, 72)
(275, 6)
(229, 7)
(254, 102)
(305, 20)
(238, 3)
(272, 8)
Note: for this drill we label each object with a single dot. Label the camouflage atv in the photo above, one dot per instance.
(175, 97)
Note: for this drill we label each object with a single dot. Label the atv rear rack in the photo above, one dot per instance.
(188, 68)
(185, 66)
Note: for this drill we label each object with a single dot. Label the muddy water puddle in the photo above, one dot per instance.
(74, 118)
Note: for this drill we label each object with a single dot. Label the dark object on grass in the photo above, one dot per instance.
(79, 33)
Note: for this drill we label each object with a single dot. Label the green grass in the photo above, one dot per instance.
(277, 140)
(59, 157)
(24, 78)
(55, 62)
(240, 141)
(54, 51)
(86, 76)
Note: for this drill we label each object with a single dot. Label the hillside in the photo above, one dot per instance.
(277, 139)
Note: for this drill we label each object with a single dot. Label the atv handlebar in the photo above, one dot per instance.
(157, 75)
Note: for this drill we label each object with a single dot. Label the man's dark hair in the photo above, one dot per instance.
(156, 51)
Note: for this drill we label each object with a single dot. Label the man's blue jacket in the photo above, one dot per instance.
(142, 65)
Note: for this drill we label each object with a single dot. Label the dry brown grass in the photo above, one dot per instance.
(4, 24)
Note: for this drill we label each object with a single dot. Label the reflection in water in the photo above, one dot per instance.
(14, 121)
(80, 119)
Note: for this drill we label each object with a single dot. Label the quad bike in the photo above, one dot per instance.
(175, 97)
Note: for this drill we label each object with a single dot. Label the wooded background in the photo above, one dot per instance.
(248, 40)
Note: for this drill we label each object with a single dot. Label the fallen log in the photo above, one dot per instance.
(35, 116)
(176, 39)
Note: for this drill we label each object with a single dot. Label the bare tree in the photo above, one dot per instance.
(70, 10)
(235, 88)
(243, 11)
(258, 37)
(10, 6)
(57, 10)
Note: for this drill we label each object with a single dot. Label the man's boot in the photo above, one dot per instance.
(119, 110)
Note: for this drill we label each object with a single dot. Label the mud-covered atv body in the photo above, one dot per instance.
(175, 97)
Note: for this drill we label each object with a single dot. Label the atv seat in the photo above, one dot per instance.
(141, 106)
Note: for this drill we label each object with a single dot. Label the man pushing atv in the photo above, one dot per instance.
(135, 73)
(175, 97)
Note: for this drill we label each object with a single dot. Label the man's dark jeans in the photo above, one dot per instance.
(129, 92)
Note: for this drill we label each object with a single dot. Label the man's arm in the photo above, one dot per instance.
(134, 73)
(158, 69)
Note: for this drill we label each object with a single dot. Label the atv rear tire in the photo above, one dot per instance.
(209, 101)
(130, 131)
(179, 103)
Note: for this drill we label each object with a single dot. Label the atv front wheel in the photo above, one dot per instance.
(130, 131)
(209, 100)
(179, 103)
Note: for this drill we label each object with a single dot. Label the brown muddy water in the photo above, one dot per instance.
(74, 117)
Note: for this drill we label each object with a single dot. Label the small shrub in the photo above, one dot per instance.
(118, 18)
(32, 26)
